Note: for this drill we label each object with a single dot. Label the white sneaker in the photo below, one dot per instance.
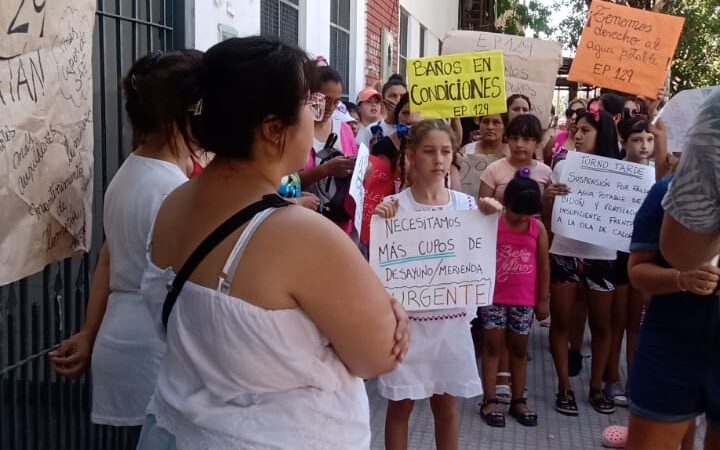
(616, 392)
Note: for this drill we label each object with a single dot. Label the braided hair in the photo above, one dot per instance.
(415, 138)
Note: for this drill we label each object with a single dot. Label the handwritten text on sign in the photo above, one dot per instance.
(436, 260)
(46, 157)
(531, 65)
(467, 85)
(626, 49)
(605, 195)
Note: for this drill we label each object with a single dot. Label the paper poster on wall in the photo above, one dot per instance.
(465, 85)
(626, 49)
(357, 187)
(531, 65)
(437, 259)
(46, 153)
(680, 113)
(605, 195)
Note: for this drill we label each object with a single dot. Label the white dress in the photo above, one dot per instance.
(127, 349)
(237, 376)
(441, 357)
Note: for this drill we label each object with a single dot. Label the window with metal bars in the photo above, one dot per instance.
(340, 40)
(280, 18)
(402, 54)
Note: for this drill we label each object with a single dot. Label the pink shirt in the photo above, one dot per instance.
(346, 144)
(516, 271)
(501, 172)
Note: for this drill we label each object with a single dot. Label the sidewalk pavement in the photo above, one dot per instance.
(554, 431)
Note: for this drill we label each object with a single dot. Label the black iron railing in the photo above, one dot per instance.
(39, 410)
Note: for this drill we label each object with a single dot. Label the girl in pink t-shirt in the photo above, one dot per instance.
(522, 282)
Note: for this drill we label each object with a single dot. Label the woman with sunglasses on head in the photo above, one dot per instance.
(565, 141)
(332, 157)
(119, 338)
(273, 353)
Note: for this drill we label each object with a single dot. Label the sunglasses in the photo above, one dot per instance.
(316, 102)
(569, 113)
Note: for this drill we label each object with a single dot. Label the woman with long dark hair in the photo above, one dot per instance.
(257, 355)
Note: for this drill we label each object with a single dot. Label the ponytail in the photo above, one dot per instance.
(401, 158)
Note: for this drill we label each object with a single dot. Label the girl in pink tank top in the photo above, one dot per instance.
(522, 282)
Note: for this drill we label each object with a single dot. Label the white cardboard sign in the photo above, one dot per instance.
(680, 113)
(531, 65)
(436, 259)
(605, 195)
(357, 184)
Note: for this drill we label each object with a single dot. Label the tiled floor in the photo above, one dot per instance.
(554, 431)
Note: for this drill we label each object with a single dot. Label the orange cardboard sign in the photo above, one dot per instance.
(626, 49)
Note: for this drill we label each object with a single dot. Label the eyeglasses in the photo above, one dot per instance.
(316, 102)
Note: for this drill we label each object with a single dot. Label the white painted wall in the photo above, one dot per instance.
(432, 44)
(358, 37)
(242, 15)
(438, 17)
(313, 29)
(413, 40)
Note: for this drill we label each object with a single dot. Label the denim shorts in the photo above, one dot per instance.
(516, 318)
(670, 386)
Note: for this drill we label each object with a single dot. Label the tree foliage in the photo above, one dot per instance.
(697, 58)
(514, 17)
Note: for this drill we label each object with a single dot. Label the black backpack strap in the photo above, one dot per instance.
(209, 243)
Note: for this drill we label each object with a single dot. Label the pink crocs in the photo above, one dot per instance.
(615, 436)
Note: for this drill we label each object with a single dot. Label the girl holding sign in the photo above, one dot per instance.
(440, 363)
(574, 262)
(638, 142)
(522, 281)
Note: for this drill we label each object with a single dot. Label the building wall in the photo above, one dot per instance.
(243, 16)
(438, 16)
(381, 15)
(370, 19)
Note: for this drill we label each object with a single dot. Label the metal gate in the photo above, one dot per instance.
(39, 410)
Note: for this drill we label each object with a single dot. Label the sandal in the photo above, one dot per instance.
(615, 436)
(600, 403)
(495, 419)
(527, 418)
(565, 403)
(503, 392)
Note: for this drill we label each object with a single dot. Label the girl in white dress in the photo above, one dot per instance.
(440, 363)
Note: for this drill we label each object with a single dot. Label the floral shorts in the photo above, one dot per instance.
(518, 319)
